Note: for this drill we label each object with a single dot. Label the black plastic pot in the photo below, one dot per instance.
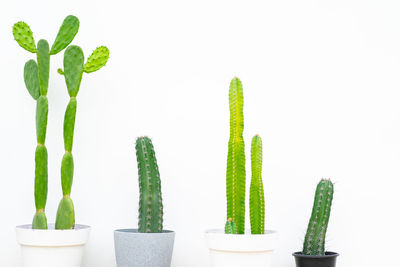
(327, 260)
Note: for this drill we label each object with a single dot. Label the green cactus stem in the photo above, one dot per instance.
(150, 205)
(314, 241)
(73, 71)
(257, 204)
(236, 173)
(230, 227)
(36, 77)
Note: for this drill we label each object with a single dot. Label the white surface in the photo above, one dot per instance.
(49, 248)
(240, 250)
(321, 86)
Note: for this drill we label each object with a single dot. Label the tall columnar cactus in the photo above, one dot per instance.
(230, 227)
(74, 68)
(235, 172)
(36, 76)
(150, 205)
(257, 204)
(314, 242)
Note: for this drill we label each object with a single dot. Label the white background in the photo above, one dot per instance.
(321, 86)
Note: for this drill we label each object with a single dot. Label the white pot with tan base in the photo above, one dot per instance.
(227, 250)
(52, 248)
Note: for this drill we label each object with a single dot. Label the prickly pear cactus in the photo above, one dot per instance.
(257, 204)
(73, 71)
(314, 241)
(230, 227)
(36, 77)
(150, 205)
(235, 172)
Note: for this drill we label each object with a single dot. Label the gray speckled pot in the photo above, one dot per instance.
(134, 249)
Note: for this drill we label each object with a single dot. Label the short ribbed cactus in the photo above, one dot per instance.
(150, 202)
(73, 70)
(36, 77)
(236, 172)
(230, 227)
(257, 204)
(314, 241)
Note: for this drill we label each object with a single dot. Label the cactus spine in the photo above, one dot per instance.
(230, 227)
(150, 205)
(36, 77)
(314, 242)
(257, 204)
(73, 71)
(235, 172)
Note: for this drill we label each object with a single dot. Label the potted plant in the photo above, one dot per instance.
(149, 245)
(60, 244)
(314, 254)
(234, 246)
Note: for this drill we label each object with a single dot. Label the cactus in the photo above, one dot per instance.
(73, 70)
(257, 204)
(36, 77)
(314, 241)
(235, 172)
(150, 205)
(230, 227)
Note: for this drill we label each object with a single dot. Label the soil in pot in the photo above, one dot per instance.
(327, 260)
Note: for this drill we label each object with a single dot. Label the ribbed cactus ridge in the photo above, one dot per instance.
(236, 172)
(230, 227)
(36, 77)
(73, 71)
(314, 241)
(150, 202)
(257, 204)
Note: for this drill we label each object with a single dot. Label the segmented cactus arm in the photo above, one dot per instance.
(24, 36)
(66, 34)
(97, 59)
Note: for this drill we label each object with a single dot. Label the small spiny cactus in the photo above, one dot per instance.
(73, 70)
(230, 227)
(257, 204)
(314, 241)
(36, 77)
(236, 172)
(150, 205)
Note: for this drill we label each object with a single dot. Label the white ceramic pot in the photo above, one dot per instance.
(52, 248)
(241, 250)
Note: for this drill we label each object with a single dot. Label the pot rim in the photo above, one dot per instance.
(26, 236)
(328, 254)
(134, 231)
(51, 227)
